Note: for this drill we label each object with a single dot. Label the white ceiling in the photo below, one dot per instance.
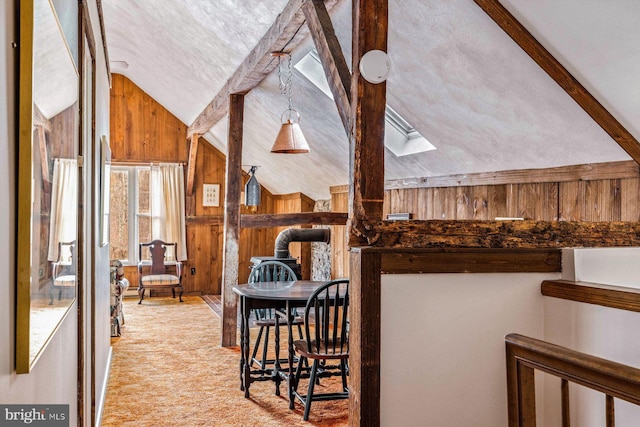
(456, 77)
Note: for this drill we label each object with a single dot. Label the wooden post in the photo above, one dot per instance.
(366, 196)
(231, 251)
(364, 338)
(366, 190)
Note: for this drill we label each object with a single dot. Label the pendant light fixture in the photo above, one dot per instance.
(290, 139)
(252, 191)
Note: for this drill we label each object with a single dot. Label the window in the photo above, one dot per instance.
(130, 216)
(401, 138)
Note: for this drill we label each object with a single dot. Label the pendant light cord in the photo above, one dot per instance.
(286, 86)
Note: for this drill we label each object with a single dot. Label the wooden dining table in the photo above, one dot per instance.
(283, 297)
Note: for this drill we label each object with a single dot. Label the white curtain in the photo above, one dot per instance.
(64, 205)
(167, 206)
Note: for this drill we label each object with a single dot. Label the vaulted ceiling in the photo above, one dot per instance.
(456, 77)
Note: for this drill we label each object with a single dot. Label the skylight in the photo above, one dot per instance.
(400, 136)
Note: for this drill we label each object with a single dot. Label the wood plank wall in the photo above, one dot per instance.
(143, 131)
(578, 199)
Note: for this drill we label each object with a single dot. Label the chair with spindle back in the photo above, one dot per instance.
(269, 271)
(326, 339)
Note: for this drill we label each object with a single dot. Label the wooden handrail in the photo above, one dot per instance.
(623, 298)
(525, 354)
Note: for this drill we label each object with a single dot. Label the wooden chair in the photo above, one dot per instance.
(154, 274)
(63, 271)
(270, 271)
(326, 341)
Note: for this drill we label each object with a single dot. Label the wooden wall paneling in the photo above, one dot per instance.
(630, 195)
(512, 200)
(149, 129)
(538, 201)
(471, 202)
(144, 130)
(386, 205)
(615, 207)
(422, 201)
(497, 205)
(210, 169)
(571, 200)
(134, 138)
(585, 172)
(116, 123)
(481, 202)
(444, 203)
(464, 195)
(193, 250)
(602, 200)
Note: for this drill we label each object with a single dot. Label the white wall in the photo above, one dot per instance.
(101, 265)
(53, 380)
(600, 331)
(443, 351)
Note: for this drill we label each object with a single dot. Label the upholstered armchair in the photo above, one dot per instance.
(160, 269)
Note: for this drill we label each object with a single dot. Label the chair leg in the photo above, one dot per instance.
(173, 292)
(343, 371)
(312, 383)
(263, 362)
(296, 377)
(180, 297)
(141, 293)
(256, 345)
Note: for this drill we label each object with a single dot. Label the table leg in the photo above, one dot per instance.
(245, 347)
(276, 364)
(242, 338)
(290, 378)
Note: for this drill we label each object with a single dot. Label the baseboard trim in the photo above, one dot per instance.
(103, 392)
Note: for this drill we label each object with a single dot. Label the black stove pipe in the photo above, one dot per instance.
(299, 235)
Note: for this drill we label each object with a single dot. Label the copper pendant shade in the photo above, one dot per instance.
(290, 139)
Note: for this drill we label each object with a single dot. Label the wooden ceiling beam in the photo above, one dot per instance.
(191, 165)
(557, 72)
(287, 220)
(287, 32)
(332, 59)
(527, 234)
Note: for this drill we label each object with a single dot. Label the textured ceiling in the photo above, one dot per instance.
(456, 77)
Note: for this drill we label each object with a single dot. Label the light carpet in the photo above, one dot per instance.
(168, 369)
